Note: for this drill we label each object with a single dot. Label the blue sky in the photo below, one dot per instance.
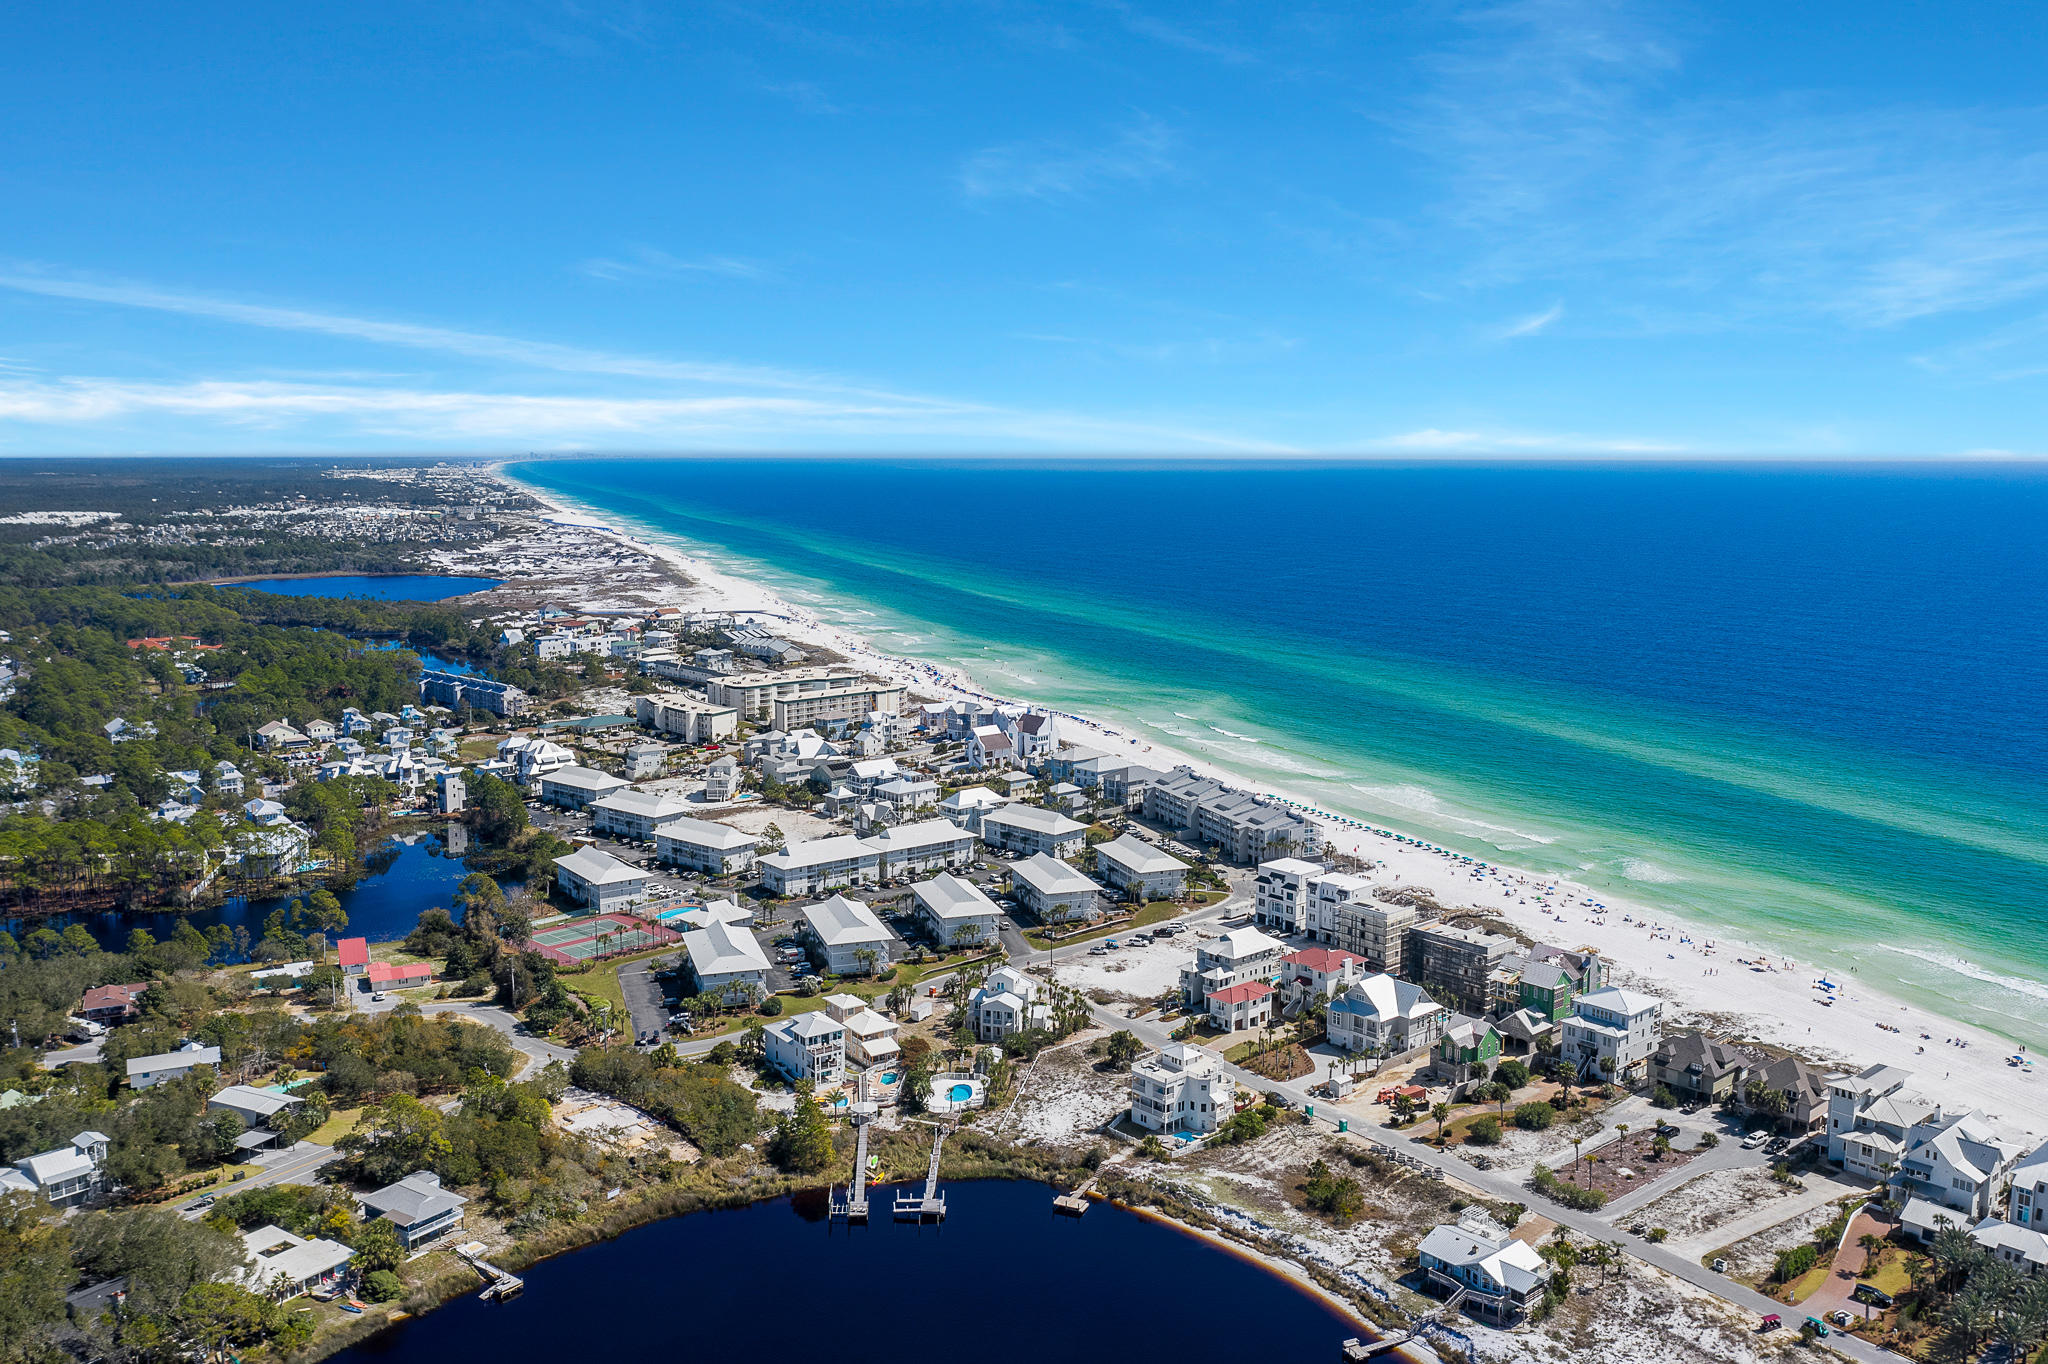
(1544, 228)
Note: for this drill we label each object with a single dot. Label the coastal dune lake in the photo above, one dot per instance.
(769, 1281)
(375, 587)
(1800, 703)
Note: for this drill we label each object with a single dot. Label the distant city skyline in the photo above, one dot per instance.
(1543, 229)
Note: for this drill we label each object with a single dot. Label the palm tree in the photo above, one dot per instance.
(1441, 1111)
(1871, 1244)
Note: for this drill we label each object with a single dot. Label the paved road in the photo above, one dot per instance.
(65, 1056)
(1729, 1155)
(537, 1051)
(1508, 1189)
(296, 1165)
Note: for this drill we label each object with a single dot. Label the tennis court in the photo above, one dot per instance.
(601, 935)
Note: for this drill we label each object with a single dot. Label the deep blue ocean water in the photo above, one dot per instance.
(1800, 702)
(394, 587)
(1002, 1274)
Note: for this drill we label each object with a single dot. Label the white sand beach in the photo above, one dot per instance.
(1765, 996)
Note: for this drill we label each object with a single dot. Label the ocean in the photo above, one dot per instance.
(1803, 704)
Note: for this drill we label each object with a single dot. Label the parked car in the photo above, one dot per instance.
(1871, 1294)
(1755, 1139)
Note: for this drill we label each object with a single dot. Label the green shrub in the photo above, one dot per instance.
(772, 1006)
(1662, 1097)
(1484, 1131)
(381, 1285)
(1571, 1195)
(1535, 1117)
(1513, 1074)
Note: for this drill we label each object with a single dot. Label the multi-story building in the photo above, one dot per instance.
(1134, 868)
(1282, 894)
(870, 1038)
(1957, 1161)
(1611, 1034)
(2027, 1204)
(456, 690)
(1181, 1088)
(573, 788)
(1242, 955)
(1385, 1016)
(1500, 1277)
(1696, 1068)
(1468, 1049)
(1345, 915)
(1027, 829)
(66, 1177)
(1457, 964)
(721, 780)
(807, 1046)
(1053, 891)
(687, 717)
(725, 958)
(592, 877)
(635, 814)
(955, 912)
(929, 845)
(796, 698)
(821, 864)
(1312, 973)
(1243, 826)
(704, 845)
(844, 936)
(1008, 1001)
(1869, 1114)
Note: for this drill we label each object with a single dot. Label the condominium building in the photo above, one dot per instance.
(1345, 914)
(821, 864)
(704, 845)
(1053, 891)
(1457, 964)
(1181, 1088)
(1027, 829)
(687, 717)
(844, 936)
(634, 814)
(956, 913)
(1282, 894)
(595, 878)
(573, 788)
(929, 845)
(456, 690)
(1243, 826)
(795, 698)
(1135, 868)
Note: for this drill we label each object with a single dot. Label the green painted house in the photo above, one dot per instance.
(1467, 1050)
(1547, 991)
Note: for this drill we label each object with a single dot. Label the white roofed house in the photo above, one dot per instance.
(281, 1265)
(277, 736)
(1382, 1015)
(2021, 1247)
(966, 806)
(1611, 1034)
(146, 1071)
(1181, 1088)
(1957, 1161)
(635, 814)
(595, 878)
(1245, 954)
(1008, 1001)
(726, 959)
(531, 757)
(573, 788)
(1027, 829)
(721, 780)
(257, 1108)
(1139, 870)
(821, 864)
(870, 1038)
(807, 1046)
(2027, 1204)
(906, 793)
(1502, 1277)
(955, 912)
(1284, 893)
(66, 1176)
(841, 932)
(1053, 891)
(1869, 1117)
(928, 845)
(704, 845)
(865, 775)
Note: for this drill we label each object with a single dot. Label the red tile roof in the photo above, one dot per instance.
(1242, 994)
(353, 951)
(1324, 959)
(111, 997)
(386, 973)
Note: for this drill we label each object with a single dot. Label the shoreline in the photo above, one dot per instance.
(1707, 977)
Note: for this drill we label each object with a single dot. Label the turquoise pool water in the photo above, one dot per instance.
(890, 1078)
(960, 1094)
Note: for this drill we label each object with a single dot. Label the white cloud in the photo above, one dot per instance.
(1436, 440)
(647, 262)
(1530, 325)
(1051, 170)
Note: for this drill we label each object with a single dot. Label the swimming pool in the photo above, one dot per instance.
(960, 1094)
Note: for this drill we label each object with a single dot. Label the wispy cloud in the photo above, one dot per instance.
(1530, 325)
(647, 262)
(1567, 146)
(1436, 440)
(1140, 152)
(1147, 25)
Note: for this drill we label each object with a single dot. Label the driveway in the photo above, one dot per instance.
(90, 1051)
(537, 1051)
(1833, 1294)
(644, 1000)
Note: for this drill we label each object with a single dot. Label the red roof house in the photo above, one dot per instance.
(386, 975)
(112, 1003)
(353, 954)
(1249, 1005)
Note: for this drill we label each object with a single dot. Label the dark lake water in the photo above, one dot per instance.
(401, 587)
(403, 880)
(1003, 1276)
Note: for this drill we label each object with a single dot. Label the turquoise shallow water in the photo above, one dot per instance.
(1801, 704)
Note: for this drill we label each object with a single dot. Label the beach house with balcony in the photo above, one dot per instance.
(1238, 956)
(807, 1046)
(870, 1038)
(417, 1207)
(1694, 1067)
(1181, 1088)
(1501, 1277)
(1008, 1001)
(1383, 1015)
(1283, 891)
(1611, 1034)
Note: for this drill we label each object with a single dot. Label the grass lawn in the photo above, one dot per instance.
(339, 1123)
(1805, 1286)
(1891, 1276)
(1157, 912)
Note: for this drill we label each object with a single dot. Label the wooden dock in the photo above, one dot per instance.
(930, 1206)
(1070, 1205)
(499, 1284)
